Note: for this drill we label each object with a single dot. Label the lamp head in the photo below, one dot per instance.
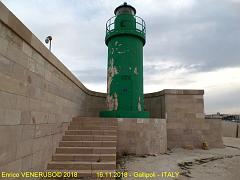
(125, 9)
(49, 38)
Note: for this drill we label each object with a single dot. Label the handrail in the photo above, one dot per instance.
(140, 25)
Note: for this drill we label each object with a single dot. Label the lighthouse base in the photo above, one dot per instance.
(125, 114)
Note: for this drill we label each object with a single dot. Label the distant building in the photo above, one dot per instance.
(226, 117)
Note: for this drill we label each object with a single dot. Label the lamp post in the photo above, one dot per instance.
(49, 40)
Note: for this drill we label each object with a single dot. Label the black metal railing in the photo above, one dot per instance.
(140, 25)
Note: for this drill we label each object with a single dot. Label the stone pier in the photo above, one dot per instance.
(39, 97)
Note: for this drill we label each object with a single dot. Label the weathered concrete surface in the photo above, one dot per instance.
(141, 136)
(220, 164)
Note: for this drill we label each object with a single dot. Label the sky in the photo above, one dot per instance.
(190, 44)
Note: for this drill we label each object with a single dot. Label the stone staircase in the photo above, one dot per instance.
(88, 147)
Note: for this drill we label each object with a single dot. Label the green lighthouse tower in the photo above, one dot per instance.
(125, 38)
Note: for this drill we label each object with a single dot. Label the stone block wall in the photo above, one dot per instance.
(38, 98)
(230, 129)
(184, 113)
(186, 124)
(141, 136)
(213, 134)
(155, 104)
(238, 132)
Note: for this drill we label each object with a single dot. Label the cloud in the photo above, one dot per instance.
(207, 34)
(189, 31)
(219, 101)
(92, 75)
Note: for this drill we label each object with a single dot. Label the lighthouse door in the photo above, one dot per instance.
(126, 92)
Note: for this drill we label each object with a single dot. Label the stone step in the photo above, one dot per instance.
(88, 144)
(76, 165)
(86, 150)
(92, 127)
(93, 119)
(96, 123)
(89, 138)
(85, 157)
(91, 132)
